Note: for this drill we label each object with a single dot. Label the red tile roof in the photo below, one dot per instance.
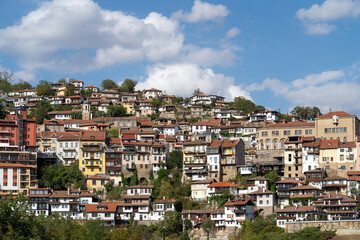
(297, 209)
(93, 136)
(338, 113)
(229, 143)
(236, 203)
(329, 144)
(66, 136)
(215, 143)
(222, 184)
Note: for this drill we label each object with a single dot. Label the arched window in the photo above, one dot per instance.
(282, 143)
(261, 145)
(275, 143)
(267, 144)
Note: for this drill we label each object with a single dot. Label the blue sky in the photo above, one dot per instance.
(277, 53)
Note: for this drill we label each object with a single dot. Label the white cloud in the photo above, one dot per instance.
(233, 32)
(183, 78)
(80, 36)
(202, 11)
(316, 18)
(330, 89)
(319, 28)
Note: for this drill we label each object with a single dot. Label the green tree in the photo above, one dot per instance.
(16, 219)
(44, 89)
(158, 101)
(116, 110)
(306, 112)
(175, 160)
(128, 85)
(151, 175)
(5, 81)
(272, 177)
(112, 133)
(40, 112)
(109, 84)
(60, 177)
(197, 91)
(244, 105)
(22, 85)
(2, 109)
(70, 90)
(134, 178)
(87, 93)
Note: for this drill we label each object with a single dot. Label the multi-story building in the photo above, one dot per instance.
(199, 189)
(110, 95)
(47, 141)
(237, 212)
(68, 147)
(17, 178)
(92, 152)
(310, 154)
(40, 202)
(293, 157)
(271, 142)
(337, 207)
(152, 93)
(264, 199)
(295, 213)
(105, 211)
(232, 156)
(337, 125)
(213, 152)
(218, 188)
(283, 190)
(337, 157)
(194, 161)
(17, 130)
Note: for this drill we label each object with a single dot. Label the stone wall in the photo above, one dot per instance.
(343, 227)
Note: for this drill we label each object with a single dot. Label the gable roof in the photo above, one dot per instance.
(222, 184)
(338, 113)
(93, 136)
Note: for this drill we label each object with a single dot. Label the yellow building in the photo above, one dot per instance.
(337, 125)
(61, 90)
(47, 141)
(194, 161)
(92, 152)
(130, 106)
(97, 182)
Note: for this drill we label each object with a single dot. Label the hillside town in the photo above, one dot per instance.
(237, 163)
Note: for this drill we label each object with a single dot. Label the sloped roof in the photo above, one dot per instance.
(297, 209)
(93, 136)
(338, 113)
(222, 184)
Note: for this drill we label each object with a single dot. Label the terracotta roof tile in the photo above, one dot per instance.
(338, 113)
(222, 184)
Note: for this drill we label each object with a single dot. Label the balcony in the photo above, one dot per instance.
(195, 151)
(239, 211)
(195, 171)
(69, 149)
(286, 218)
(92, 158)
(92, 148)
(308, 195)
(69, 157)
(293, 149)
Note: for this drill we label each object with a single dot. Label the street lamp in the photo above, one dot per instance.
(164, 233)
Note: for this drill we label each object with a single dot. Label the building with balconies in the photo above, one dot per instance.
(17, 178)
(294, 214)
(335, 185)
(39, 198)
(283, 192)
(68, 147)
(293, 157)
(92, 152)
(232, 156)
(237, 212)
(194, 161)
(337, 207)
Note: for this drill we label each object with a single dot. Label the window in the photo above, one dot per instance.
(287, 132)
(267, 144)
(341, 157)
(345, 139)
(289, 168)
(107, 214)
(94, 214)
(275, 144)
(93, 182)
(282, 143)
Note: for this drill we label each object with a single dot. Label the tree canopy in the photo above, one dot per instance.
(40, 112)
(60, 177)
(44, 89)
(246, 106)
(128, 85)
(306, 112)
(109, 84)
(116, 110)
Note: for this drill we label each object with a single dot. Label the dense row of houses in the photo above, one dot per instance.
(317, 161)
